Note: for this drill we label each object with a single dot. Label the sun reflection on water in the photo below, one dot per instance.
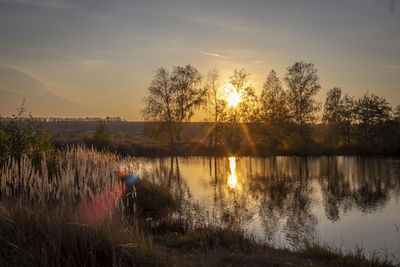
(232, 178)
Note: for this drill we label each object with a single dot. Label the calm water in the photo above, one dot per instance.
(346, 202)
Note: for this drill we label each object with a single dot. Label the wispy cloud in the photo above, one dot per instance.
(212, 54)
(257, 62)
(18, 80)
(391, 67)
(57, 4)
(222, 24)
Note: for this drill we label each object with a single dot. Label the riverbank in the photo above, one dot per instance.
(35, 239)
(198, 139)
(76, 211)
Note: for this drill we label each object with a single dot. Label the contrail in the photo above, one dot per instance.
(212, 54)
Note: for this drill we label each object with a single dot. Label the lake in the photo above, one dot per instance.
(343, 201)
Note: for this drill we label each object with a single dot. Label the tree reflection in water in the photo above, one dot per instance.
(282, 194)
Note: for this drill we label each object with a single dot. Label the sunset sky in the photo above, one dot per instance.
(82, 58)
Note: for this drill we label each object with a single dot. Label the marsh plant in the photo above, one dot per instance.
(80, 173)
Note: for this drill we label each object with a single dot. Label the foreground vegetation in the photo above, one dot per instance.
(41, 222)
(31, 238)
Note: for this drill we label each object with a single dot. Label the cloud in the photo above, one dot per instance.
(17, 84)
(212, 54)
(223, 24)
(92, 63)
(391, 67)
(57, 4)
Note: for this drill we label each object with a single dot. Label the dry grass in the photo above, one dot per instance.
(40, 223)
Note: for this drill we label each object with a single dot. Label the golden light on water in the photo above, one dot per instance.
(233, 98)
(232, 178)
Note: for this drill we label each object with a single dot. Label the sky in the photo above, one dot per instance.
(96, 58)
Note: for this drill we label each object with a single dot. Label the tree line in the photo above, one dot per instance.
(284, 118)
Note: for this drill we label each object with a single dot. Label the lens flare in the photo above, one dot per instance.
(98, 208)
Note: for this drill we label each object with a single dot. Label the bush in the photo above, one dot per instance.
(101, 137)
(21, 136)
(154, 200)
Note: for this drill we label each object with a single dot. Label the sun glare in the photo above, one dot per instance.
(232, 178)
(232, 96)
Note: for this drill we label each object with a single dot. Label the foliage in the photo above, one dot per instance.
(332, 107)
(247, 109)
(101, 137)
(303, 83)
(372, 110)
(373, 122)
(22, 136)
(173, 97)
(396, 113)
(154, 200)
(42, 226)
(280, 121)
(347, 114)
(274, 101)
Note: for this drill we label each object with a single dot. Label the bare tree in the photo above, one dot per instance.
(274, 101)
(372, 112)
(172, 99)
(216, 104)
(160, 103)
(332, 107)
(372, 109)
(247, 109)
(188, 94)
(303, 83)
(396, 113)
(347, 115)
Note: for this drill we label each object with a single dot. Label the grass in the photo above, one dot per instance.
(40, 225)
(36, 239)
(337, 256)
(211, 238)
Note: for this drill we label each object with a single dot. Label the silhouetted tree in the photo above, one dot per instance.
(303, 83)
(172, 99)
(246, 110)
(274, 114)
(216, 103)
(160, 104)
(372, 112)
(332, 107)
(347, 114)
(331, 119)
(274, 101)
(396, 113)
(101, 137)
(248, 107)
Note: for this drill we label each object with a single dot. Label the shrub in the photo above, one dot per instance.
(154, 200)
(22, 136)
(101, 137)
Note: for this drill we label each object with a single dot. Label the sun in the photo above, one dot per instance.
(232, 96)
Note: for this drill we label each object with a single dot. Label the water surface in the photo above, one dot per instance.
(345, 202)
